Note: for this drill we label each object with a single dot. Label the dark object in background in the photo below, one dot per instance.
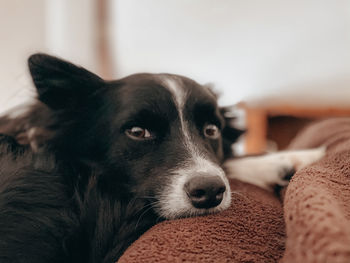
(282, 129)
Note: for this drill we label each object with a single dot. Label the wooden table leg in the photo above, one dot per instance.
(256, 125)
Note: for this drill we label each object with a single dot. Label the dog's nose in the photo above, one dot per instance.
(205, 191)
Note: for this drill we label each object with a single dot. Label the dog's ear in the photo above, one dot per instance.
(59, 83)
(230, 133)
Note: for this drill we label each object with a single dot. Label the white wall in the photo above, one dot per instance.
(22, 25)
(294, 50)
(65, 28)
(70, 29)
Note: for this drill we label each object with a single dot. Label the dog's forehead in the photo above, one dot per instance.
(185, 90)
(180, 90)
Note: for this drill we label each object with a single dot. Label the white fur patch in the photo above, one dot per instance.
(175, 86)
(269, 170)
(174, 201)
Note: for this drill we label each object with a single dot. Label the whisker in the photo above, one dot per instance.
(149, 207)
(145, 206)
(239, 193)
(145, 197)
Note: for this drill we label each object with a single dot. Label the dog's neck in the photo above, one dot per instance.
(108, 226)
(108, 222)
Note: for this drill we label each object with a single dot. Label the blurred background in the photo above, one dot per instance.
(271, 58)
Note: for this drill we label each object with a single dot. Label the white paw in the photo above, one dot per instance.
(304, 158)
(273, 169)
(264, 171)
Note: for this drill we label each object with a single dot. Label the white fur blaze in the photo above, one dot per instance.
(174, 201)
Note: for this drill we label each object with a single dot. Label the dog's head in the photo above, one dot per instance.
(159, 135)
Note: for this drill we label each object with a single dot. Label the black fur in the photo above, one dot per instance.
(73, 186)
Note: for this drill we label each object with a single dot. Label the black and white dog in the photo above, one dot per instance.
(94, 163)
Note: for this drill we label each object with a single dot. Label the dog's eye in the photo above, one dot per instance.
(211, 131)
(138, 133)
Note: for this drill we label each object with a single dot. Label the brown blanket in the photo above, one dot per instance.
(316, 212)
(251, 230)
(317, 201)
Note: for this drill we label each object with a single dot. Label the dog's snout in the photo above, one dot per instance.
(205, 191)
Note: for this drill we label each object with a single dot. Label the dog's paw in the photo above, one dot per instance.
(273, 169)
(304, 158)
(275, 172)
(287, 163)
(285, 174)
(265, 171)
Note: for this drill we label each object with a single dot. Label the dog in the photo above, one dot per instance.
(93, 163)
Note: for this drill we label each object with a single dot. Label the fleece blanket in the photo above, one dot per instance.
(312, 224)
(317, 201)
(251, 230)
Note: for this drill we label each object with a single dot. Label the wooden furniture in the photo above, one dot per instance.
(280, 123)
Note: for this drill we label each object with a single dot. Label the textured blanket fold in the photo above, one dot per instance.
(252, 230)
(317, 201)
(315, 216)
